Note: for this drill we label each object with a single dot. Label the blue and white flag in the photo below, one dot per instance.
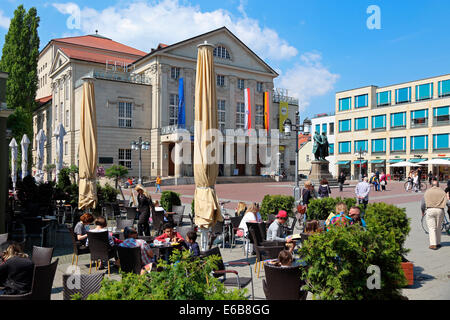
(181, 105)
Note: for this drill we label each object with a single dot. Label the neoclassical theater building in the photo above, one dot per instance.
(137, 95)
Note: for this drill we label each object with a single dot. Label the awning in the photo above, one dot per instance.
(360, 162)
(377, 161)
(442, 159)
(417, 160)
(396, 160)
(342, 163)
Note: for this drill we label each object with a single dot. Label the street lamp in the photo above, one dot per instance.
(140, 145)
(360, 154)
(304, 128)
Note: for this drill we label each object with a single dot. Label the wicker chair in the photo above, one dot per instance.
(130, 259)
(78, 247)
(100, 249)
(179, 215)
(264, 253)
(235, 222)
(87, 284)
(3, 238)
(41, 256)
(184, 230)
(283, 283)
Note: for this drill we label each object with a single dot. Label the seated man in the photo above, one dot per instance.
(169, 233)
(355, 215)
(131, 241)
(275, 231)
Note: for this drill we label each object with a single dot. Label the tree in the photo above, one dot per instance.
(116, 172)
(20, 56)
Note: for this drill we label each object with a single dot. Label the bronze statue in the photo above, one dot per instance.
(320, 148)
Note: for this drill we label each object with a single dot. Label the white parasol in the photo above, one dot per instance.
(25, 143)
(13, 146)
(405, 164)
(437, 162)
(40, 143)
(59, 133)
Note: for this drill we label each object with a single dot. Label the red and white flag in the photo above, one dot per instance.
(248, 110)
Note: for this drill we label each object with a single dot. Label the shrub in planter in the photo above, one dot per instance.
(320, 209)
(338, 261)
(386, 219)
(169, 198)
(106, 194)
(183, 279)
(271, 204)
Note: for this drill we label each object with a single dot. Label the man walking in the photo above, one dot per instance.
(362, 191)
(433, 204)
(158, 184)
(341, 181)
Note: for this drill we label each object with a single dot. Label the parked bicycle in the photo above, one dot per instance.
(445, 224)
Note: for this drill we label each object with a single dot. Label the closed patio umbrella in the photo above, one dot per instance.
(59, 134)
(88, 156)
(207, 210)
(25, 143)
(40, 143)
(13, 146)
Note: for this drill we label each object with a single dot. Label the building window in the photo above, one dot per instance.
(362, 145)
(398, 120)
(331, 148)
(125, 114)
(241, 84)
(384, 98)
(318, 128)
(441, 141)
(441, 116)
(240, 115)
(66, 90)
(67, 118)
(220, 81)
(419, 143)
(173, 109)
(379, 146)
(66, 148)
(259, 86)
(379, 123)
(174, 73)
(324, 127)
(221, 114)
(259, 117)
(345, 125)
(222, 52)
(444, 88)
(332, 128)
(424, 92)
(419, 118)
(125, 158)
(403, 95)
(398, 144)
(361, 101)
(345, 147)
(345, 104)
(361, 124)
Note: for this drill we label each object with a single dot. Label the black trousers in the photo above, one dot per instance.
(143, 225)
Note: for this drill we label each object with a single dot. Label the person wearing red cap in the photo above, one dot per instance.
(275, 231)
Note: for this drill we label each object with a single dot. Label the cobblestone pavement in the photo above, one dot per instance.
(431, 268)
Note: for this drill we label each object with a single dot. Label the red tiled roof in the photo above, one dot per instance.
(302, 139)
(44, 100)
(101, 43)
(84, 55)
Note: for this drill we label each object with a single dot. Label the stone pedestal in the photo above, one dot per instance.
(320, 170)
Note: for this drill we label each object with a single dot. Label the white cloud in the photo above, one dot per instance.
(307, 79)
(4, 21)
(144, 24)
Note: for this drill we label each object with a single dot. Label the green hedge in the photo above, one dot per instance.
(320, 209)
(271, 204)
(168, 199)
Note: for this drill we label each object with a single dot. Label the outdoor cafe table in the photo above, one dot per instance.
(164, 250)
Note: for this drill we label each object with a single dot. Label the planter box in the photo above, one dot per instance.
(408, 269)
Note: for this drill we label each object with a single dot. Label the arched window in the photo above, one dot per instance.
(222, 52)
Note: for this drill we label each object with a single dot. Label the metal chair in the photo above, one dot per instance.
(100, 249)
(42, 256)
(217, 230)
(179, 212)
(130, 259)
(84, 284)
(235, 222)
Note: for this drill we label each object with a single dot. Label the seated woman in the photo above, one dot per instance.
(82, 227)
(341, 209)
(284, 260)
(16, 270)
(241, 209)
(131, 241)
(101, 226)
(355, 215)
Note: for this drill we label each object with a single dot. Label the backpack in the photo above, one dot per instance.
(323, 191)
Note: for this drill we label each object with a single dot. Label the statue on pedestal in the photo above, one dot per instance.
(320, 148)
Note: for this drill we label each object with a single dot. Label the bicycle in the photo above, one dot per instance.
(445, 224)
(409, 186)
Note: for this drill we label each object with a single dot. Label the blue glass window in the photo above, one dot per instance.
(384, 98)
(403, 95)
(398, 144)
(419, 143)
(419, 114)
(345, 147)
(345, 104)
(361, 101)
(345, 125)
(331, 148)
(398, 120)
(379, 145)
(379, 122)
(318, 128)
(441, 141)
(444, 88)
(361, 123)
(362, 145)
(442, 111)
(324, 127)
(424, 92)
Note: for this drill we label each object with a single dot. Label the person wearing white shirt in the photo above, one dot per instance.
(249, 216)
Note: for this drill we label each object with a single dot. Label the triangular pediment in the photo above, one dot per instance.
(59, 61)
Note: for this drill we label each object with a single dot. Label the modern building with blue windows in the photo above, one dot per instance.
(401, 122)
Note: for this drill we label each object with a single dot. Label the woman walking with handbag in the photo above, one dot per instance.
(144, 205)
(383, 181)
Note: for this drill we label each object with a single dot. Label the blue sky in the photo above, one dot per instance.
(319, 47)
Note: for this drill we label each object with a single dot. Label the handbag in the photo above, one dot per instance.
(383, 183)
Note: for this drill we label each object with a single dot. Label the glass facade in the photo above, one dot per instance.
(345, 147)
(361, 101)
(331, 148)
(424, 92)
(345, 125)
(384, 98)
(444, 88)
(379, 145)
(419, 118)
(403, 95)
(419, 143)
(379, 122)
(398, 144)
(362, 145)
(361, 123)
(441, 116)
(441, 141)
(398, 120)
(324, 127)
(345, 104)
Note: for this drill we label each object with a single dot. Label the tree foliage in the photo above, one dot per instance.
(271, 204)
(169, 199)
(116, 172)
(320, 209)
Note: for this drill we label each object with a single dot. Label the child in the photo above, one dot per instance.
(285, 258)
(191, 243)
(158, 184)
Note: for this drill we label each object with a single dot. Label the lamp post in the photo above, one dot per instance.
(140, 145)
(361, 156)
(297, 128)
